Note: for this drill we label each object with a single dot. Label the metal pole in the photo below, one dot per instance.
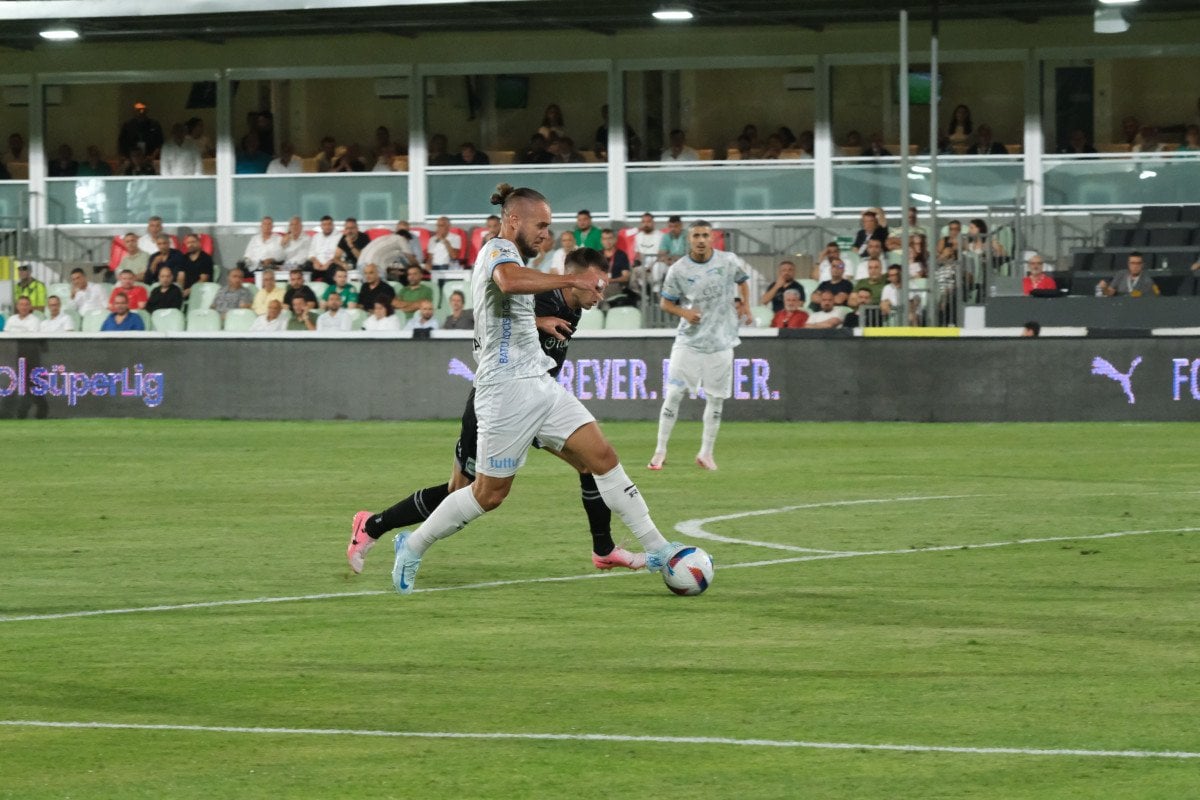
(904, 159)
(933, 232)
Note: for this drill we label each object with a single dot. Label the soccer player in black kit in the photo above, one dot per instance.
(558, 314)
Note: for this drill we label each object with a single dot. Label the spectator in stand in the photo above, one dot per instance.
(264, 251)
(1037, 279)
(873, 283)
(741, 146)
(563, 151)
(1148, 141)
(271, 320)
(619, 291)
(25, 321)
(805, 143)
(633, 145)
(837, 287)
(871, 229)
(95, 166)
(948, 245)
(16, 151)
(1031, 330)
(138, 165)
(677, 149)
(647, 242)
(984, 145)
(545, 254)
(374, 290)
(141, 133)
(86, 296)
(438, 157)
(674, 241)
(918, 257)
(297, 289)
(384, 159)
(853, 142)
(1078, 144)
(460, 318)
(412, 293)
(134, 259)
(148, 241)
(268, 292)
(980, 241)
(423, 319)
(791, 313)
(536, 152)
(251, 158)
(913, 227)
(875, 147)
(445, 246)
(303, 317)
(180, 155)
(322, 250)
(890, 297)
(236, 294)
(195, 132)
(552, 126)
(56, 321)
(166, 293)
(1191, 139)
(262, 124)
(160, 255)
(31, 287)
(350, 160)
(824, 314)
(874, 250)
(381, 318)
(468, 156)
(121, 318)
(286, 163)
(135, 294)
(785, 281)
(295, 245)
(586, 235)
(820, 271)
(774, 148)
(334, 317)
(383, 139)
(194, 266)
(351, 245)
(786, 136)
(492, 226)
(414, 241)
(1131, 130)
(959, 131)
(341, 286)
(859, 301)
(566, 243)
(1130, 282)
(64, 166)
(326, 154)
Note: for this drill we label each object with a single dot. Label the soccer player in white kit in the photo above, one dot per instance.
(699, 288)
(516, 400)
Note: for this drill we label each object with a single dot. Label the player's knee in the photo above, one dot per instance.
(489, 497)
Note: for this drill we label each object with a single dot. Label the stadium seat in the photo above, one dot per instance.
(92, 321)
(1152, 214)
(474, 244)
(627, 241)
(1118, 237)
(423, 235)
(146, 320)
(466, 240)
(1190, 214)
(1169, 237)
(622, 318)
(168, 319)
(206, 244)
(60, 290)
(762, 316)
(116, 252)
(318, 288)
(809, 285)
(74, 315)
(240, 319)
(203, 320)
(592, 320)
(718, 239)
(357, 317)
(396, 286)
(375, 233)
(202, 296)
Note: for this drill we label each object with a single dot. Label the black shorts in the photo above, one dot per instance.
(468, 435)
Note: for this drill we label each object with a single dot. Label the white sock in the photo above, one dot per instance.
(712, 424)
(667, 416)
(622, 496)
(450, 517)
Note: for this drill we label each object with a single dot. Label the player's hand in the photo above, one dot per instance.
(591, 283)
(692, 315)
(554, 326)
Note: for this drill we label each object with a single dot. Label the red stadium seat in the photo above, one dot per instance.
(116, 252)
(206, 243)
(466, 240)
(423, 235)
(626, 240)
(375, 233)
(718, 239)
(474, 245)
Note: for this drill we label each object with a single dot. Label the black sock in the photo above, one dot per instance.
(409, 511)
(598, 514)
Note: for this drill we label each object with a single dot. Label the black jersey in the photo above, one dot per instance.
(552, 304)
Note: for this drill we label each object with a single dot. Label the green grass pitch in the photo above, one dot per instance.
(1077, 643)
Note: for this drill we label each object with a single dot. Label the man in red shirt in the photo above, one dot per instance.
(792, 315)
(1037, 279)
(136, 293)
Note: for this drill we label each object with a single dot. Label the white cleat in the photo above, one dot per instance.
(660, 458)
(706, 462)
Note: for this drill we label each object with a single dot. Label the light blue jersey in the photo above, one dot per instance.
(710, 287)
(507, 345)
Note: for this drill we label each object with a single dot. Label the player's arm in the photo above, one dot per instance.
(555, 326)
(671, 306)
(512, 278)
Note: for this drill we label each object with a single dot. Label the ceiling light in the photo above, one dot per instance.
(1109, 20)
(1119, 2)
(673, 14)
(60, 34)
(1147, 174)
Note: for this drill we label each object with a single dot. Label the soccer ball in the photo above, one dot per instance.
(688, 571)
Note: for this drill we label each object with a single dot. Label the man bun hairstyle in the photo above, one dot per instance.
(505, 193)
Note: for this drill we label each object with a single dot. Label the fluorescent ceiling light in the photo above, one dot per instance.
(923, 198)
(60, 34)
(1109, 20)
(1147, 174)
(1119, 2)
(672, 14)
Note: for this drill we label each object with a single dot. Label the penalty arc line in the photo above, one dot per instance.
(607, 737)
(587, 576)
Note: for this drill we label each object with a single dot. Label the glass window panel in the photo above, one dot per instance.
(785, 186)
(1122, 181)
(465, 193)
(963, 181)
(374, 197)
(119, 201)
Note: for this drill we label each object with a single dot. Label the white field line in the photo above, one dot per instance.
(608, 737)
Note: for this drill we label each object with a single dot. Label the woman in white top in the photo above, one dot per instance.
(558, 260)
(380, 319)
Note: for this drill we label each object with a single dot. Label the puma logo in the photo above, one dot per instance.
(460, 369)
(1102, 367)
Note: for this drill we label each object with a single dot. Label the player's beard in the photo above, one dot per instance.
(526, 250)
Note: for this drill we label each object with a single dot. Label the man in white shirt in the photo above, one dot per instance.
(647, 243)
(322, 250)
(24, 321)
(296, 244)
(271, 321)
(148, 241)
(87, 296)
(180, 155)
(56, 321)
(286, 162)
(423, 319)
(264, 250)
(826, 317)
(381, 319)
(445, 246)
(334, 318)
(678, 151)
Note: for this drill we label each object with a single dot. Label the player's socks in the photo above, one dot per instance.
(623, 497)
(450, 517)
(413, 509)
(599, 515)
(712, 424)
(667, 416)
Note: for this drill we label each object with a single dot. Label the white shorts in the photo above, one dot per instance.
(712, 372)
(512, 413)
